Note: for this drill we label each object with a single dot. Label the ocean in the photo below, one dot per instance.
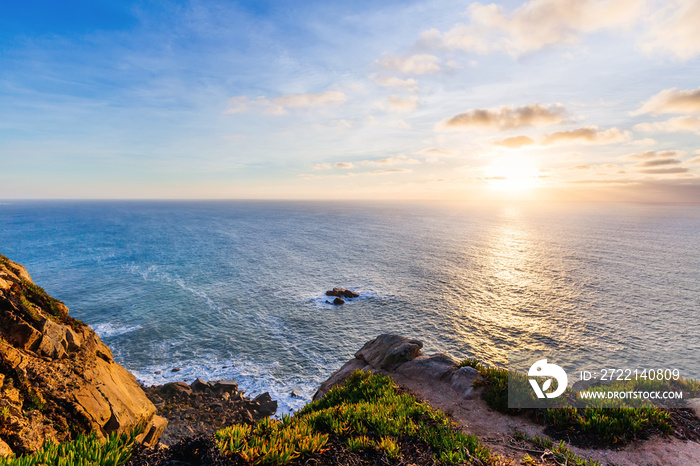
(235, 289)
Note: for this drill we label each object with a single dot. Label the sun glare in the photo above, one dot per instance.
(512, 174)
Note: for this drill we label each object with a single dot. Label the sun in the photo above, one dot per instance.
(512, 173)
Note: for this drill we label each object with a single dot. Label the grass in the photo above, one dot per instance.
(83, 451)
(597, 421)
(366, 414)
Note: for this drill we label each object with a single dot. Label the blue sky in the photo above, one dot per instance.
(563, 100)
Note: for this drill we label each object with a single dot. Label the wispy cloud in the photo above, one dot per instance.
(652, 154)
(673, 100)
(398, 160)
(407, 85)
(503, 118)
(535, 25)
(344, 165)
(415, 64)
(658, 162)
(587, 135)
(515, 142)
(390, 171)
(674, 29)
(665, 171)
(395, 104)
(674, 125)
(280, 105)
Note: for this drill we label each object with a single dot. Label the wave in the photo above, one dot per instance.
(108, 330)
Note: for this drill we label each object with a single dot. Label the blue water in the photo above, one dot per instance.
(235, 289)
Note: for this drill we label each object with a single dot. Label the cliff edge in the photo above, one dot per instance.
(57, 379)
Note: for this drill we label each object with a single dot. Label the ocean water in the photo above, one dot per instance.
(235, 289)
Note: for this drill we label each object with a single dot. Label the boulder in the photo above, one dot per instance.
(462, 380)
(268, 406)
(388, 351)
(175, 388)
(342, 293)
(401, 358)
(59, 379)
(434, 367)
(338, 301)
(199, 385)
(228, 386)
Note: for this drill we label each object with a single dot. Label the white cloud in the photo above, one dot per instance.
(322, 166)
(674, 125)
(652, 154)
(397, 104)
(674, 28)
(398, 160)
(503, 118)
(408, 85)
(416, 64)
(536, 24)
(391, 171)
(587, 135)
(515, 142)
(344, 165)
(672, 101)
(280, 105)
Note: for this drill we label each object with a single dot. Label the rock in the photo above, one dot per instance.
(175, 369)
(388, 351)
(175, 388)
(401, 358)
(61, 373)
(339, 376)
(434, 367)
(199, 385)
(5, 449)
(226, 385)
(294, 394)
(342, 293)
(462, 381)
(694, 404)
(262, 398)
(338, 301)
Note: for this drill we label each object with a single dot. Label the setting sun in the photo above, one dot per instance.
(512, 173)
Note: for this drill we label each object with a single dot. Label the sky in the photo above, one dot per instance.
(582, 100)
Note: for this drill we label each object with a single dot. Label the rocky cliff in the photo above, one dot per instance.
(402, 358)
(57, 379)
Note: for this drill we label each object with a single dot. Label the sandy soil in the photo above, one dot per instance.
(496, 431)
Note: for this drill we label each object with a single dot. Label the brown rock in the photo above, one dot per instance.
(462, 381)
(5, 449)
(87, 391)
(199, 385)
(388, 351)
(434, 367)
(338, 301)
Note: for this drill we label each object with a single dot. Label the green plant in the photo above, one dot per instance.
(367, 412)
(83, 451)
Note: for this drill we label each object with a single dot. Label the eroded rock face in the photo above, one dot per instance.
(399, 356)
(57, 379)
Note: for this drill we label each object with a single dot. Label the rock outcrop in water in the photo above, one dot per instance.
(342, 293)
(57, 379)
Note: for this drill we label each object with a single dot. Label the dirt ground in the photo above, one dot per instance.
(496, 431)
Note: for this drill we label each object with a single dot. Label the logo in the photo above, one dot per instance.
(542, 369)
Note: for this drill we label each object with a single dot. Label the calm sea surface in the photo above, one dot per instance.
(236, 289)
